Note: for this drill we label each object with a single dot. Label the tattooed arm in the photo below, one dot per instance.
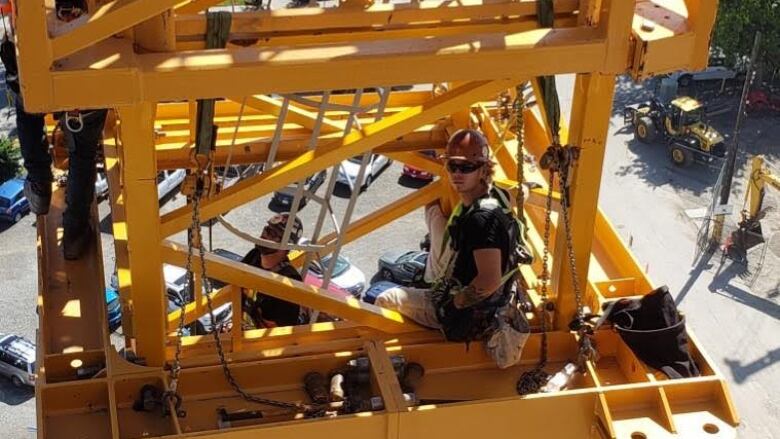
(487, 281)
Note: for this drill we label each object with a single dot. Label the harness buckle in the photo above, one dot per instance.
(74, 117)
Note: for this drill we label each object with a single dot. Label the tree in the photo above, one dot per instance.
(736, 25)
(9, 159)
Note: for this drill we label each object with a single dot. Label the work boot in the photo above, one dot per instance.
(75, 241)
(39, 196)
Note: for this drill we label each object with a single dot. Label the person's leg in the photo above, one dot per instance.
(414, 303)
(82, 148)
(438, 257)
(37, 161)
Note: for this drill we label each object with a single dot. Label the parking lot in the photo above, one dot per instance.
(644, 195)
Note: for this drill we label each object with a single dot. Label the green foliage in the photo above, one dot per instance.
(736, 26)
(9, 159)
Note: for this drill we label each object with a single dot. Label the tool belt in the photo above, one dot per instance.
(466, 324)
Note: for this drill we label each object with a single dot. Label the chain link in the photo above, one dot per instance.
(564, 184)
(517, 108)
(533, 380)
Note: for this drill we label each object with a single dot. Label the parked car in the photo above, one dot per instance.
(13, 203)
(284, 198)
(716, 73)
(418, 174)
(113, 308)
(175, 287)
(229, 178)
(17, 360)
(168, 181)
(403, 267)
(348, 170)
(376, 289)
(175, 284)
(346, 278)
(101, 186)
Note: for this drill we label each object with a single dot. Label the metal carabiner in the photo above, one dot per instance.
(69, 118)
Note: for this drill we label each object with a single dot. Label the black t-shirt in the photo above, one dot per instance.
(480, 229)
(279, 311)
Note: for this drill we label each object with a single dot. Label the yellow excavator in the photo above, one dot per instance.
(749, 232)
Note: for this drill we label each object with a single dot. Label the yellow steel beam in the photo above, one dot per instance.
(246, 276)
(109, 19)
(240, 72)
(380, 16)
(463, 58)
(194, 310)
(591, 110)
(178, 156)
(353, 144)
(34, 53)
(617, 28)
(295, 114)
(421, 30)
(113, 156)
(143, 231)
(701, 20)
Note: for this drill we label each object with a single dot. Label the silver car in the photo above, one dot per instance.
(349, 169)
(17, 360)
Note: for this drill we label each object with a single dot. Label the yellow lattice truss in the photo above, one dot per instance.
(146, 59)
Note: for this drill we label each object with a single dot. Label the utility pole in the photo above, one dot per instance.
(731, 156)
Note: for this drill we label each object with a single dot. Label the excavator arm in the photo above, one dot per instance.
(760, 177)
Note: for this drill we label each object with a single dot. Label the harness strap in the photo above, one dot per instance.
(217, 32)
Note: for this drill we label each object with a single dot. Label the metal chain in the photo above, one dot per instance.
(520, 133)
(564, 184)
(216, 331)
(172, 395)
(533, 380)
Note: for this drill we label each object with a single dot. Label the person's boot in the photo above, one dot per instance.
(39, 196)
(75, 241)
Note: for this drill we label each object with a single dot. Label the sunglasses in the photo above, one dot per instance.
(463, 167)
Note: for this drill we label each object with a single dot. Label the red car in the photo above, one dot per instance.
(419, 174)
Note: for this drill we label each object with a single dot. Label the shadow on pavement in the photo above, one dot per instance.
(651, 164)
(12, 395)
(741, 372)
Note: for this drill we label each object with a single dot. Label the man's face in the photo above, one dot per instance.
(465, 175)
(271, 234)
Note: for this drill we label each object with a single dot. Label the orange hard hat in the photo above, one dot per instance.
(467, 144)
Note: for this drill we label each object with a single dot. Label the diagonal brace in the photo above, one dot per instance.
(272, 284)
(356, 143)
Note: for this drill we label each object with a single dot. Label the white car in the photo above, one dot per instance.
(175, 283)
(101, 186)
(345, 279)
(168, 181)
(348, 170)
(17, 360)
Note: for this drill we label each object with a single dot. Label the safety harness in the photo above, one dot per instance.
(475, 322)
